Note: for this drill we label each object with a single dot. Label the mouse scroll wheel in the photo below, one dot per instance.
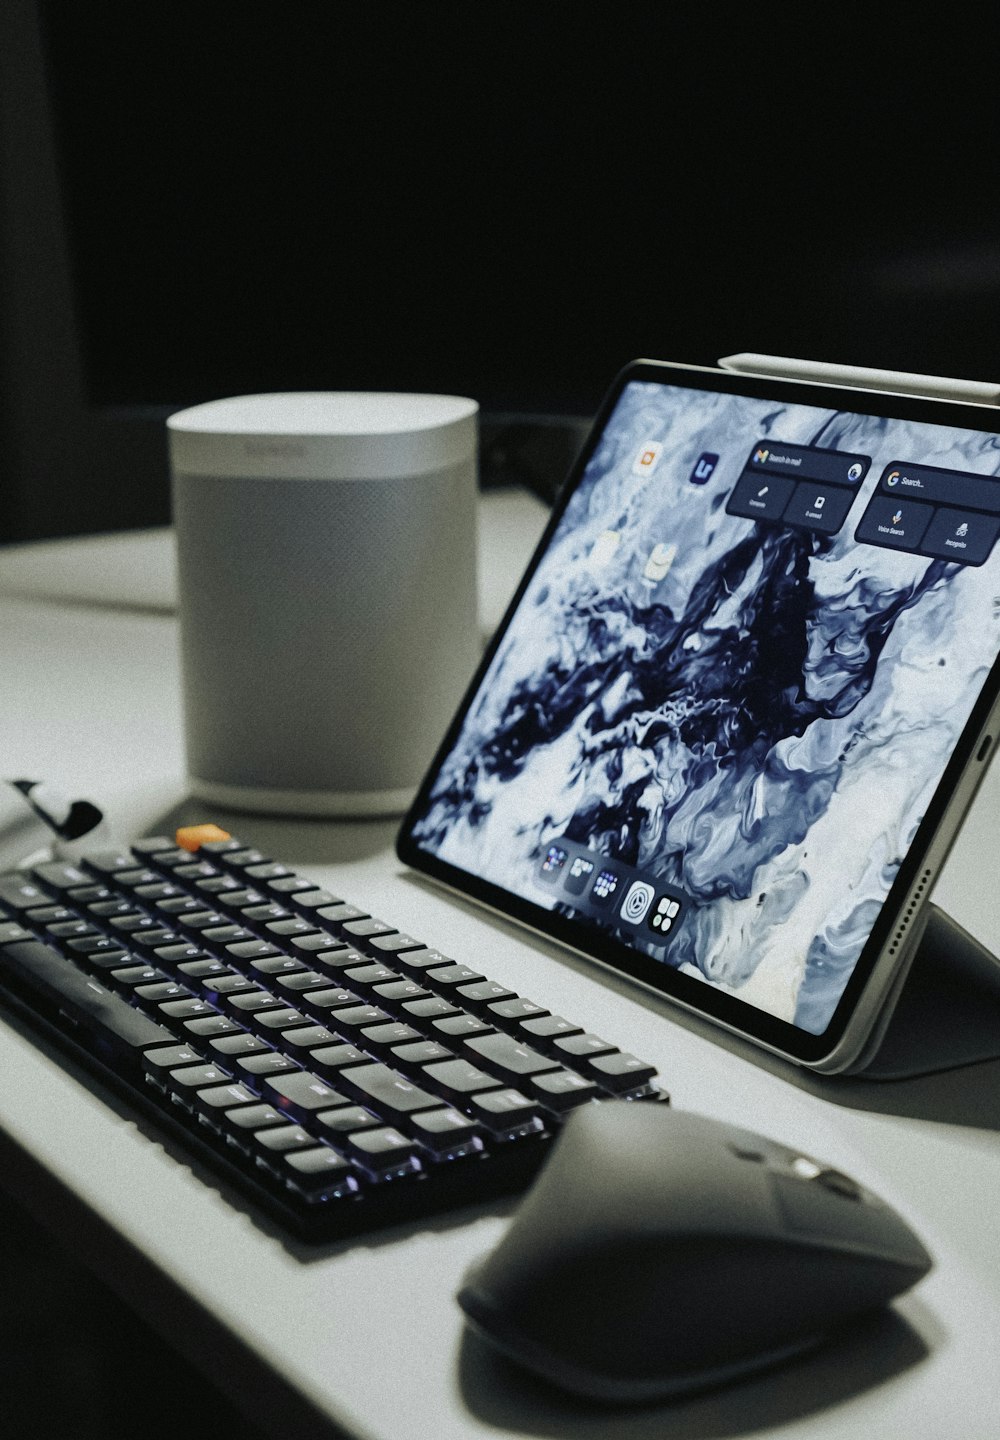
(826, 1176)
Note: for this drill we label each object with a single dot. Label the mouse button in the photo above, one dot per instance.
(821, 1211)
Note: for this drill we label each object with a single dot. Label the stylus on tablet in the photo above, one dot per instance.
(978, 392)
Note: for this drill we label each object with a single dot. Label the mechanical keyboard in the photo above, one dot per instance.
(341, 1074)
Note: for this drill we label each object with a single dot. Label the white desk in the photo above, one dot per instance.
(367, 1336)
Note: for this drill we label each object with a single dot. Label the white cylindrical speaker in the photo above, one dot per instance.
(326, 546)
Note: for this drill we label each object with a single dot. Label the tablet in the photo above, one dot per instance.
(732, 719)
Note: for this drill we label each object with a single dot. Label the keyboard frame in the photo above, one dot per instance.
(506, 1168)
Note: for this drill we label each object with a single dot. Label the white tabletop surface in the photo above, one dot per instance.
(369, 1333)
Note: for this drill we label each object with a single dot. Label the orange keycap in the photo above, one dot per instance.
(192, 837)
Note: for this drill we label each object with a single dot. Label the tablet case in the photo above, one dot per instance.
(945, 1009)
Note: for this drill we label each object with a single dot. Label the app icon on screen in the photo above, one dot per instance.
(704, 465)
(638, 899)
(605, 887)
(661, 557)
(665, 915)
(578, 874)
(555, 859)
(605, 546)
(648, 457)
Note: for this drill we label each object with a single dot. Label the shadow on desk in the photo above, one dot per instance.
(500, 1394)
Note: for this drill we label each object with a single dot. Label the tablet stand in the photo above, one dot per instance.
(946, 1010)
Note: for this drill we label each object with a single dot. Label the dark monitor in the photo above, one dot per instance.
(203, 201)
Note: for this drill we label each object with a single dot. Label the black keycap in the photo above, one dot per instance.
(107, 862)
(185, 1010)
(421, 1052)
(241, 1044)
(316, 940)
(282, 1139)
(341, 913)
(17, 893)
(253, 1117)
(549, 1027)
(504, 1110)
(100, 1017)
(621, 1071)
(223, 1097)
(169, 1057)
(318, 1172)
(507, 1011)
(422, 959)
(162, 990)
(86, 894)
(11, 931)
(227, 934)
(270, 1064)
(434, 1007)
(268, 910)
(301, 1094)
(161, 890)
(72, 930)
(275, 1021)
(48, 914)
(277, 965)
(399, 990)
(444, 1131)
(354, 1018)
(294, 925)
(459, 1077)
(252, 950)
(361, 929)
(306, 1038)
(381, 1150)
(347, 1118)
(297, 982)
(393, 943)
(322, 1002)
(179, 905)
(229, 982)
(196, 1077)
(579, 1046)
(329, 1059)
(459, 1027)
(369, 975)
(452, 976)
(268, 870)
(307, 901)
(224, 885)
(288, 885)
(382, 1037)
(131, 975)
(507, 1055)
(60, 874)
(210, 1025)
(203, 969)
(152, 845)
(200, 919)
(132, 879)
(482, 993)
(176, 954)
(562, 1089)
(253, 1001)
(392, 1093)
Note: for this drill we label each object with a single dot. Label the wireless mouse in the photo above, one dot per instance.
(660, 1252)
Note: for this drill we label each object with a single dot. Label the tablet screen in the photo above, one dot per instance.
(726, 698)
